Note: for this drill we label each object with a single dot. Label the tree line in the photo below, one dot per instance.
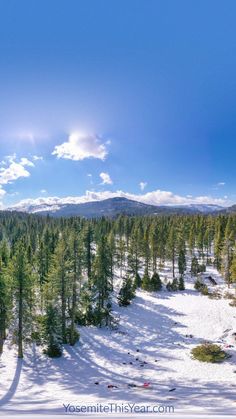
(56, 274)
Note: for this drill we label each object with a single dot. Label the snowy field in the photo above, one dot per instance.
(152, 345)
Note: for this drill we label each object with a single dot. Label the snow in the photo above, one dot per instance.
(155, 324)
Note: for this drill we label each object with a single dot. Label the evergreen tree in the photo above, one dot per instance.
(182, 261)
(23, 282)
(175, 285)
(121, 249)
(5, 302)
(172, 247)
(137, 281)
(181, 283)
(126, 293)
(134, 253)
(59, 279)
(155, 282)
(52, 332)
(194, 266)
(146, 281)
(76, 257)
(102, 279)
(154, 237)
(88, 240)
(233, 269)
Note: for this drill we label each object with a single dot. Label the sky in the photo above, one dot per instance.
(134, 98)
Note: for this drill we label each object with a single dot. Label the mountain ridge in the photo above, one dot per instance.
(112, 207)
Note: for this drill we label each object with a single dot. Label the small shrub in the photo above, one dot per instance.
(53, 351)
(175, 284)
(209, 352)
(215, 295)
(72, 339)
(168, 286)
(202, 268)
(233, 302)
(204, 290)
(198, 285)
(229, 296)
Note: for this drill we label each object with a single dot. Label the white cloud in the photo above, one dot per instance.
(26, 162)
(12, 172)
(43, 191)
(157, 197)
(35, 158)
(143, 185)
(81, 146)
(10, 158)
(106, 180)
(221, 184)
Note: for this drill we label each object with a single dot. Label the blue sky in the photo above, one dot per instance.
(134, 96)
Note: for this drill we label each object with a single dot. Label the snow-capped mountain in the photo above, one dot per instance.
(111, 207)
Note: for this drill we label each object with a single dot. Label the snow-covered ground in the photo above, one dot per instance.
(152, 345)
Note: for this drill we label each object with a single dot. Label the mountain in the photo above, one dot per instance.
(204, 207)
(229, 210)
(111, 207)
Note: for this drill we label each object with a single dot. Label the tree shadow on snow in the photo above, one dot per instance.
(12, 389)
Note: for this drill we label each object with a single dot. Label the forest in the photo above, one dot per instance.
(56, 274)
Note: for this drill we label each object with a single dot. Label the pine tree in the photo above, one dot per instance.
(52, 337)
(146, 249)
(76, 258)
(181, 284)
(102, 279)
(233, 269)
(126, 293)
(182, 261)
(146, 281)
(5, 302)
(137, 281)
(155, 282)
(121, 250)
(23, 282)
(172, 248)
(175, 285)
(134, 253)
(218, 244)
(194, 266)
(154, 237)
(112, 252)
(88, 240)
(56, 289)
(191, 239)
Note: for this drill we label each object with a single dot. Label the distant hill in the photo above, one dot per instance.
(111, 207)
(229, 210)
